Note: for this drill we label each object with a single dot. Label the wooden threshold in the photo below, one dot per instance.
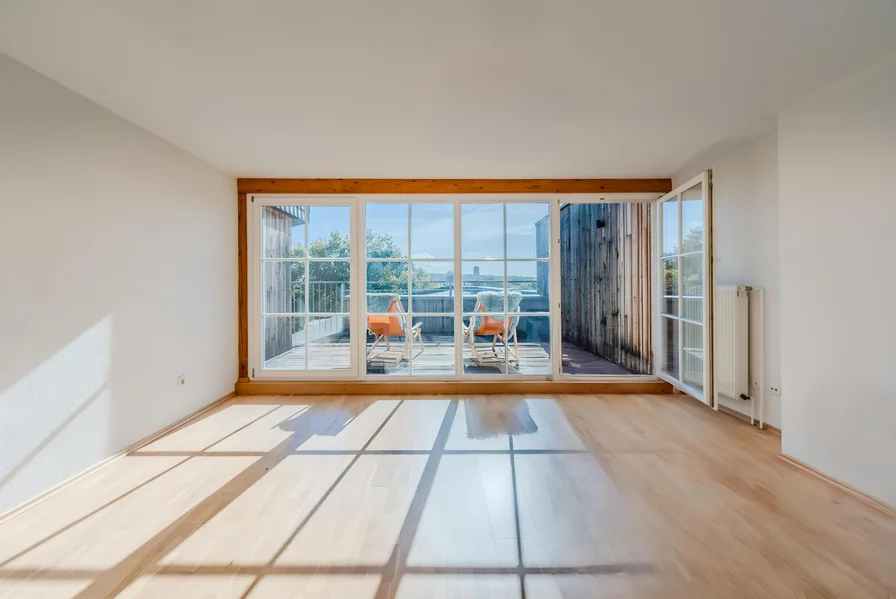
(439, 186)
(745, 418)
(870, 500)
(447, 387)
(129, 449)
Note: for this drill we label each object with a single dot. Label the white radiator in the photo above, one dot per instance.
(731, 342)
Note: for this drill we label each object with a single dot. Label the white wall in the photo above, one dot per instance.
(745, 214)
(837, 159)
(118, 273)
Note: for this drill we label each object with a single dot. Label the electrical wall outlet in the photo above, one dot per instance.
(182, 380)
(775, 390)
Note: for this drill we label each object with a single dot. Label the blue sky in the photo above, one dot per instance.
(692, 218)
(432, 232)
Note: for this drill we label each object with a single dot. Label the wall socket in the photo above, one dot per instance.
(182, 380)
(775, 390)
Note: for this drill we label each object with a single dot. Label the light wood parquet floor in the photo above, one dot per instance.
(483, 497)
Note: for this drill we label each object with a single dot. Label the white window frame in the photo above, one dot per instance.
(706, 395)
(254, 239)
(458, 200)
(458, 332)
(358, 282)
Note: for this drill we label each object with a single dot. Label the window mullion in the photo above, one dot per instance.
(307, 323)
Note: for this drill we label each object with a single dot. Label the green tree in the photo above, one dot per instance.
(693, 241)
(330, 279)
(692, 281)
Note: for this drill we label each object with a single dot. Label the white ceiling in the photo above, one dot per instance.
(448, 88)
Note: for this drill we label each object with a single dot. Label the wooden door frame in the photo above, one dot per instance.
(401, 186)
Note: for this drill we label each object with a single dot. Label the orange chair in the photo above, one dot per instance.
(383, 326)
(499, 329)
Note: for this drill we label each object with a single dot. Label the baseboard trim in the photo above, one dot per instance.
(745, 418)
(448, 387)
(129, 449)
(865, 498)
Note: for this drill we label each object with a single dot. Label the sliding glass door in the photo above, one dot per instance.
(453, 287)
(682, 306)
(457, 283)
(506, 275)
(410, 293)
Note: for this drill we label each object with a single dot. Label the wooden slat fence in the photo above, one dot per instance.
(605, 274)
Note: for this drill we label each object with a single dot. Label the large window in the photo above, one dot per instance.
(440, 287)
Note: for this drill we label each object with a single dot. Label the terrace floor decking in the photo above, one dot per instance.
(437, 359)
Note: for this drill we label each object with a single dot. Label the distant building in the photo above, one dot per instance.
(542, 250)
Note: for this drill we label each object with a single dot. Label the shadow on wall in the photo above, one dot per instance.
(54, 413)
(100, 324)
(107, 295)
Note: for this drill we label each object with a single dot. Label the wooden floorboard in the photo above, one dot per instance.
(437, 359)
(518, 496)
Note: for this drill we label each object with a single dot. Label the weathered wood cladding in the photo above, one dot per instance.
(276, 282)
(605, 274)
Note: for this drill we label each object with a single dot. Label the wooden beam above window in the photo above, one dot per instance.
(425, 186)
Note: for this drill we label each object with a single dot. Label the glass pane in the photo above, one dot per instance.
(670, 227)
(692, 219)
(482, 230)
(329, 231)
(433, 287)
(692, 308)
(328, 286)
(692, 355)
(329, 343)
(385, 280)
(531, 280)
(282, 287)
(481, 278)
(432, 231)
(692, 275)
(528, 230)
(692, 287)
(283, 231)
(669, 303)
(531, 343)
(283, 343)
(387, 230)
(432, 351)
(669, 344)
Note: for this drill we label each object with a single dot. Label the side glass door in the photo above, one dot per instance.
(682, 304)
(303, 277)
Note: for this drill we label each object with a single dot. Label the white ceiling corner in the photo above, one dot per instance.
(463, 88)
